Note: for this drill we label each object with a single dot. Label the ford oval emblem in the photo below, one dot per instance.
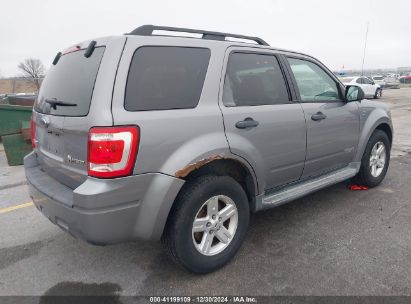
(45, 121)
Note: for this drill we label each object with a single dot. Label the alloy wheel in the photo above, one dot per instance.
(377, 159)
(215, 225)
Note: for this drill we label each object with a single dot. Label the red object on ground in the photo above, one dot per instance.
(357, 187)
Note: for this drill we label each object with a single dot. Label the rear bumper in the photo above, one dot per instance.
(105, 211)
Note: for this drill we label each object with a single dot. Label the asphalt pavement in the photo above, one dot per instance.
(333, 242)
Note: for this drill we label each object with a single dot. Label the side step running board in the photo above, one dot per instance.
(295, 191)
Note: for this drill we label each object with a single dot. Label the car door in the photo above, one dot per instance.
(332, 123)
(365, 85)
(262, 123)
(359, 82)
(371, 87)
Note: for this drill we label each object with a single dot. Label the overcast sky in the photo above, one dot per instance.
(333, 30)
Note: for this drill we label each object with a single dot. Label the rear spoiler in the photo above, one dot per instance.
(75, 48)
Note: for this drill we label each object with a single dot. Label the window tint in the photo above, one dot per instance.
(254, 79)
(313, 82)
(162, 78)
(359, 80)
(71, 80)
(367, 80)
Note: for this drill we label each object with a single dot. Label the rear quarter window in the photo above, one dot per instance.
(163, 78)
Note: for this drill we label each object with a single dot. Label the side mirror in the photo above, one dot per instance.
(353, 93)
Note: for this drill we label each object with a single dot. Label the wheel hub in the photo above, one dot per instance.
(215, 225)
(377, 159)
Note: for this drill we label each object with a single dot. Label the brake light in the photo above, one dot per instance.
(71, 49)
(112, 151)
(33, 132)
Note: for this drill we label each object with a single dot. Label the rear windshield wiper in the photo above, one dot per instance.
(54, 103)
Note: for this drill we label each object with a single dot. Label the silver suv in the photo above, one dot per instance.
(148, 136)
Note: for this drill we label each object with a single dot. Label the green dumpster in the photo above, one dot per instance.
(11, 118)
(15, 132)
(16, 148)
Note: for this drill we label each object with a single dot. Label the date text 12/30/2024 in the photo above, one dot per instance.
(204, 299)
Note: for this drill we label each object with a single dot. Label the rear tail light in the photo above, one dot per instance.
(112, 151)
(33, 131)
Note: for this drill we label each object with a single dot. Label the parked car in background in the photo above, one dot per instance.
(391, 82)
(22, 99)
(405, 79)
(4, 98)
(142, 136)
(370, 88)
(392, 75)
(379, 79)
(18, 99)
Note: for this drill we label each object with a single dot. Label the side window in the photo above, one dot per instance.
(162, 78)
(313, 82)
(359, 80)
(367, 81)
(254, 79)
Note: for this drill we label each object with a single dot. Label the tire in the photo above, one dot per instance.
(365, 176)
(378, 93)
(182, 243)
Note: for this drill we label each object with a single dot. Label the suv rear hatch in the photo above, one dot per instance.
(74, 97)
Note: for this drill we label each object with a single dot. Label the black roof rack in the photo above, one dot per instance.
(147, 30)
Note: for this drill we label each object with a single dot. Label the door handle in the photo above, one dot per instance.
(318, 116)
(246, 123)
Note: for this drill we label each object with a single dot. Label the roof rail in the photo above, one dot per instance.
(147, 30)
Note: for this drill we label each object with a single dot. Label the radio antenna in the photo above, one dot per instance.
(365, 46)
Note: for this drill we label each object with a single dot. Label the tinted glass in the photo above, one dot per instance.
(254, 79)
(360, 80)
(313, 82)
(378, 78)
(71, 80)
(162, 78)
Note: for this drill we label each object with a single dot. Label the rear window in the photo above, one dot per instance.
(378, 78)
(162, 78)
(71, 80)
